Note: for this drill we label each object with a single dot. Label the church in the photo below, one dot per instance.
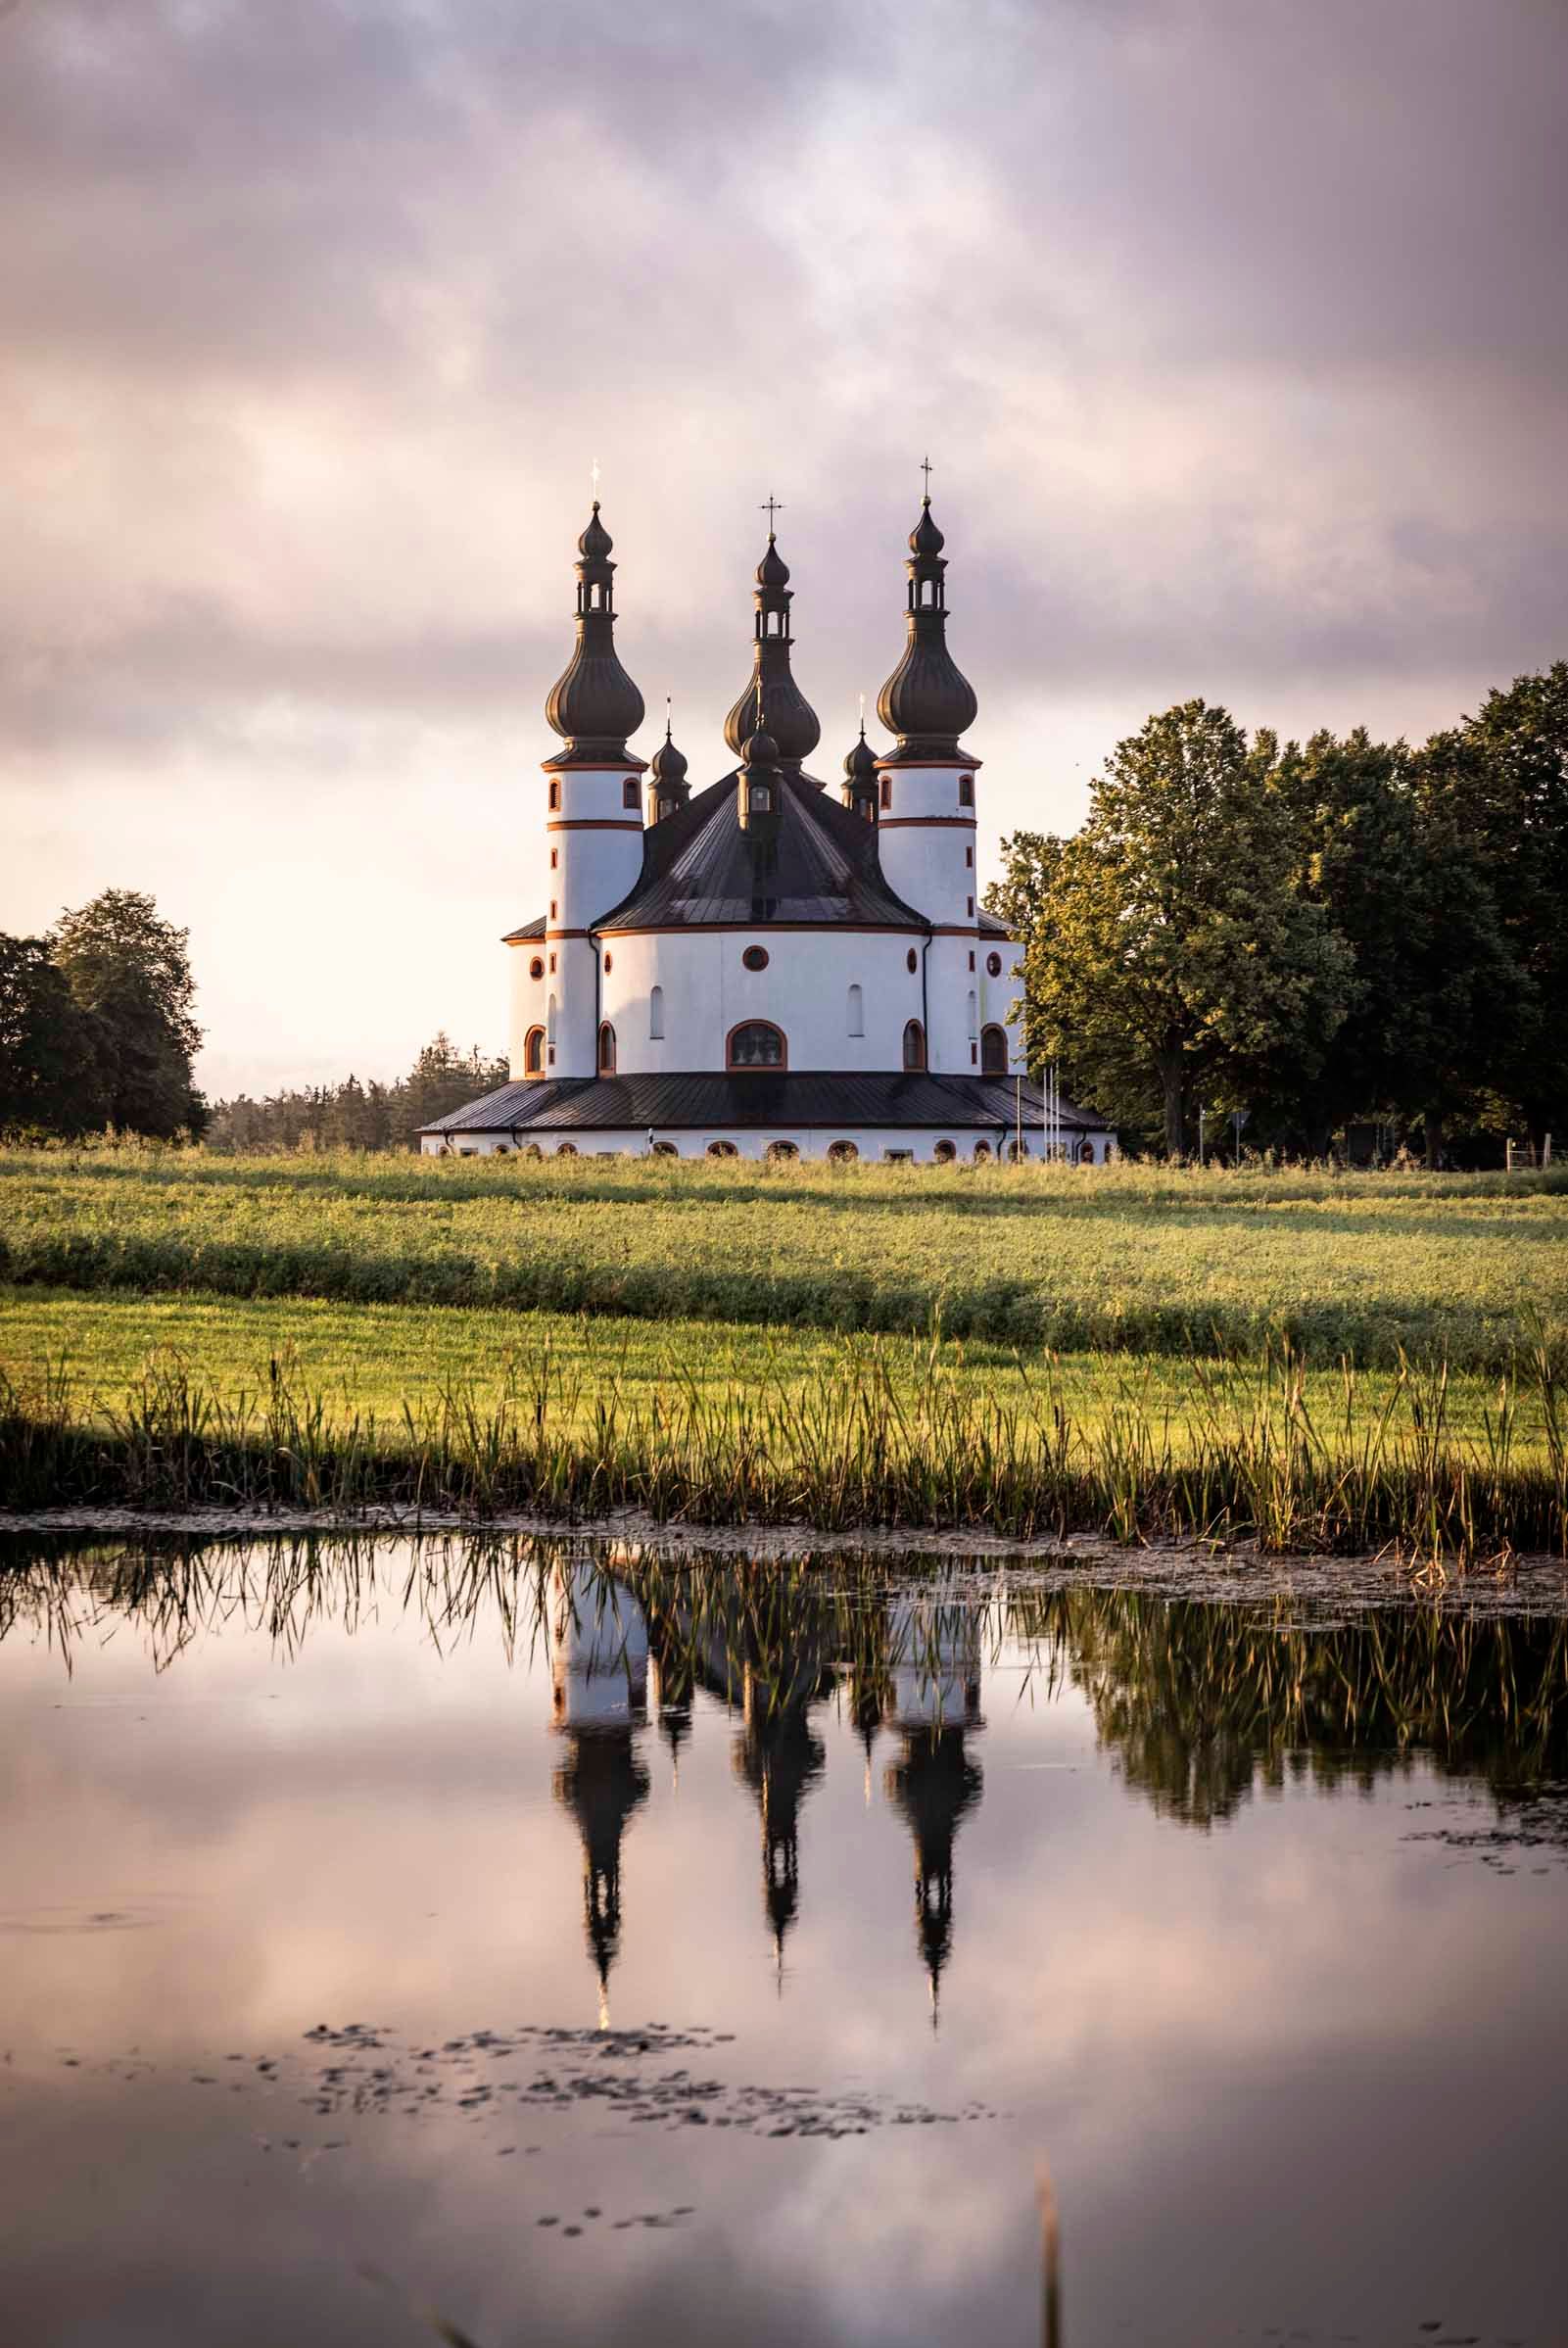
(768, 967)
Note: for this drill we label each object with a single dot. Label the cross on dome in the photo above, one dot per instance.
(770, 506)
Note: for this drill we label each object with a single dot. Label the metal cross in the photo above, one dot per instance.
(925, 468)
(772, 508)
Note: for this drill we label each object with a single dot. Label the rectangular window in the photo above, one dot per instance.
(971, 957)
(973, 1054)
(554, 859)
(972, 908)
(969, 859)
(887, 793)
(553, 909)
(555, 794)
(552, 965)
(629, 793)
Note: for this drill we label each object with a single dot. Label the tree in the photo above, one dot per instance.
(129, 974)
(49, 1073)
(1177, 946)
(442, 1079)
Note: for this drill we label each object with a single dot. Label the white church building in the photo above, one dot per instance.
(765, 968)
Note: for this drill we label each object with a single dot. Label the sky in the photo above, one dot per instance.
(1236, 332)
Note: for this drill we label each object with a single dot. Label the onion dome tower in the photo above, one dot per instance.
(593, 821)
(781, 1758)
(936, 1784)
(860, 779)
(782, 709)
(926, 826)
(927, 702)
(668, 789)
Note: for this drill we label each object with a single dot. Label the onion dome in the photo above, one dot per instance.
(860, 779)
(759, 790)
(927, 702)
(593, 704)
(783, 709)
(668, 788)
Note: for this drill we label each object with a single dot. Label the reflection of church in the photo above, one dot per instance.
(919, 1676)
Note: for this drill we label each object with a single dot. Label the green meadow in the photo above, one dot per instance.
(1303, 1358)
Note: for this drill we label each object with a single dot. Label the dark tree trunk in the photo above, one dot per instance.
(1174, 1089)
(1433, 1121)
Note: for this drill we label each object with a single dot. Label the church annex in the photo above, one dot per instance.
(765, 967)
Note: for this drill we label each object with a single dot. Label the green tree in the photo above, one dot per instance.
(1177, 948)
(128, 971)
(442, 1079)
(49, 1072)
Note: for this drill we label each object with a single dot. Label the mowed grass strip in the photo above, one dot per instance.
(366, 1361)
(1465, 1269)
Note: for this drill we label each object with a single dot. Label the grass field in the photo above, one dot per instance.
(1302, 1358)
(1463, 1269)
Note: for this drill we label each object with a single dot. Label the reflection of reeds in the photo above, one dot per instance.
(1249, 1463)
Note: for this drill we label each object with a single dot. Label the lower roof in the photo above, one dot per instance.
(777, 1098)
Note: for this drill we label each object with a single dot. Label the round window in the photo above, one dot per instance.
(755, 957)
(911, 960)
(993, 963)
(536, 969)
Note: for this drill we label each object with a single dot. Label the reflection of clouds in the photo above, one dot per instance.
(1211, 2036)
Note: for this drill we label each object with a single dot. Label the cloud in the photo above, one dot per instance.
(1234, 332)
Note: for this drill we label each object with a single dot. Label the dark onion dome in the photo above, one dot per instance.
(927, 702)
(761, 749)
(860, 779)
(593, 704)
(783, 708)
(668, 787)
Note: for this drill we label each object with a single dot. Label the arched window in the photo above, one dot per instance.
(665, 1149)
(757, 1043)
(759, 799)
(533, 1052)
(656, 1013)
(779, 1153)
(1085, 1153)
(965, 791)
(993, 1051)
(982, 1152)
(842, 1153)
(535, 968)
(857, 1012)
(606, 1050)
(945, 1152)
(1013, 1153)
(630, 795)
(723, 1149)
(887, 793)
(566, 1149)
(914, 1045)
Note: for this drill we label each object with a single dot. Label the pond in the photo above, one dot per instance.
(557, 1943)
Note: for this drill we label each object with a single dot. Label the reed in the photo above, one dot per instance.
(1248, 1463)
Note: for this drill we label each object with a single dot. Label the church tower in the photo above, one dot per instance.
(598, 1668)
(772, 703)
(926, 814)
(594, 819)
(936, 1706)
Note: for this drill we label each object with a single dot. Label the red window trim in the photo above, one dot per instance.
(782, 1062)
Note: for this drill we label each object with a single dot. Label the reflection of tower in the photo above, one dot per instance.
(673, 1681)
(598, 1668)
(780, 1756)
(936, 1702)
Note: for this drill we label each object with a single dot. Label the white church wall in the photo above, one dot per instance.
(871, 1144)
(926, 841)
(708, 991)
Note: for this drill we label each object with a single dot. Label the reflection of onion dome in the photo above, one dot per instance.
(934, 1785)
(783, 708)
(927, 702)
(593, 704)
(602, 1781)
(781, 1758)
(598, 1637)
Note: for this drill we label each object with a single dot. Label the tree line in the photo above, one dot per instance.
(1337, 934)
(97, 1036)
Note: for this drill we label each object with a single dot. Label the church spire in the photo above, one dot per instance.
(772, 702)
(927, 702)
(593, 704)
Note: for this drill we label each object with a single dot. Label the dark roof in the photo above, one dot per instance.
(699, 867)
(530, 929)
(990, 927)
(762, 1097)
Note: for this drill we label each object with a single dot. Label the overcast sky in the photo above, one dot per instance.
(1236, 330)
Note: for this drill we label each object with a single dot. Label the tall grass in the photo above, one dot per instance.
(1251, 1463)
(1126, 1260)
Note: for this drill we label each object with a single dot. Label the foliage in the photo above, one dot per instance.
(49, 1067)
(129, 976)
(1179, 946)
(1119, 1259)
(356, 1115)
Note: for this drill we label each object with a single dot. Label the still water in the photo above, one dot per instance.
(561, 1946)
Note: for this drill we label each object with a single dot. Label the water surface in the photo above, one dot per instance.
(579, 1949)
